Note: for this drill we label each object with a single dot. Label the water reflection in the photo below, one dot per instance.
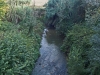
(53, 37)
(52, 61)
(50, 37)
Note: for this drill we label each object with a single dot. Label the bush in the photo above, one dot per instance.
(19, 51)
(82, 44)
(3, 8)
(77, 44)
(5, 26)
(17, 54)
(76, 62)
(80, 34)
(94, 53)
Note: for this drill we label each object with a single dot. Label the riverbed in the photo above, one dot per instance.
(51, 61)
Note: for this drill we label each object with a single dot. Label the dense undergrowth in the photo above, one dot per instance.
(77, 44)
(20, 35)
(79, 21)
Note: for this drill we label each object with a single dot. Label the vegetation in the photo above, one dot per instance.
(20, 35)
(62, 14)
(79, 21)
(3, 8)
(77, 44)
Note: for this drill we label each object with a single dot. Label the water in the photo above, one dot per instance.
(51, 61)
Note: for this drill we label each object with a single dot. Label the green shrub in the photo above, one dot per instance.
(3, 8)
(77, 43)
(82, 44)
(94, 53)
(80, 34)
(21, 15)
(93, 20)
(17, 54)
(19, 51)
(76, 62)
(4, 26)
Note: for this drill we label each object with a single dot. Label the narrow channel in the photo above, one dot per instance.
(51, 61)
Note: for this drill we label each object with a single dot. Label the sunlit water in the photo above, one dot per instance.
(51, 61)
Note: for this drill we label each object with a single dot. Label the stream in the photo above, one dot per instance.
(51, 61)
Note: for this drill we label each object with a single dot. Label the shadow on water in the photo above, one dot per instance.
(52, 61)
(53, 37)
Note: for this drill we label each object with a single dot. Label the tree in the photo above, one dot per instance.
(62, 14)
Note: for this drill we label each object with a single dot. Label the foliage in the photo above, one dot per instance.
(28, 20)
(18, 50)
(56, 7)
(62, 14)
(54, 11)
(78, 33)
(51, 8)
(16, 11)
(17, 54)
(77, 43)
(82, 41)
(5, 26)
(76, 62)
(94, 54)
(21, 15)
(3, 8)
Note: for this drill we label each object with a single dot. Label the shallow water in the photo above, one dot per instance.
(51, 61)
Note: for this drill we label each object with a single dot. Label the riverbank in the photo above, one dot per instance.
(20, 36)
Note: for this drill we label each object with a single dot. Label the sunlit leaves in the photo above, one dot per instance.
(3, 8)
